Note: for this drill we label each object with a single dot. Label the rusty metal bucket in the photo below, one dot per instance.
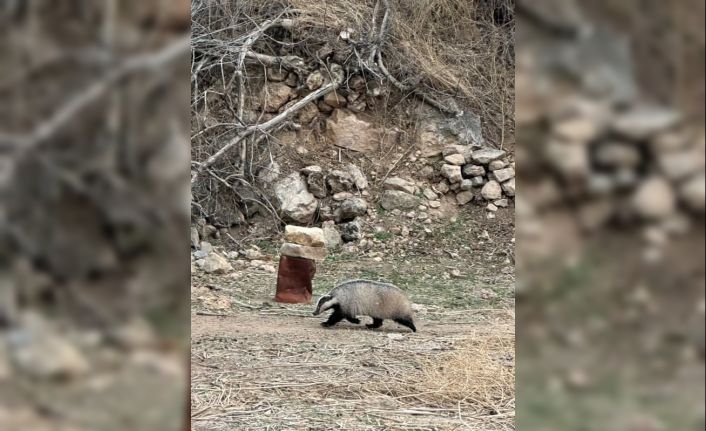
(294, 279)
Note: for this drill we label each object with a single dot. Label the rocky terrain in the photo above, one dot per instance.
(409, 185)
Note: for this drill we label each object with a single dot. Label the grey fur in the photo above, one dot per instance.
(368, 298)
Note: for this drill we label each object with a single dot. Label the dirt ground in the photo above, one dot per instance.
(257, 364)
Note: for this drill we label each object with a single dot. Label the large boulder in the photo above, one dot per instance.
(295, 201)
(347, 130)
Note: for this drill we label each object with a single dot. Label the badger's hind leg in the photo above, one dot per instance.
(352, 319)
(334, 318)
(407, 322)
(376, 323)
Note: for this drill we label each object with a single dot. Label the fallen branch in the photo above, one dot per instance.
(337, 75)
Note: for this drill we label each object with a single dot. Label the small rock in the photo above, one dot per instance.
(313, 169)
(395, 199)
(477, 181)
(308, 236)
(578, 129)
(332, 237)
(292, 79)
(324, 108)
(617, 154)
(491, 207)
(502, 175)
(487, 155)
(316, 184)
(269, 173)
(679, 165)
(276, 75)
(206, 247)
(342, 196)
(490, 215)
(395, 337)
(359, 179)
(454, 187)
(194, 238)
(404, 231)
(208, 231)
(654, 198)
(296, 250)
(455, 159)
(350, 209)
(427, 172)
(456, 273)
(339, 181)
(216, 264)
(442, 187)
(693, 194)
(434, 204)
(275, 95)
(252, 254)
(501, 203)
(496, 164)
(351, 231)
(487, 294)
(644, 121)
(473, 171)
(464, 197)
(39, 351)
(464, 150)
(509, 187)
(200, 254)
(491, 191)
(452, 173)
(335, 100)
(429, 194)
(396, 183)
(466, 185)
(314, 80)
(135, 334)
(308, 113)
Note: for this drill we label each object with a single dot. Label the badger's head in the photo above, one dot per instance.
(324, 303)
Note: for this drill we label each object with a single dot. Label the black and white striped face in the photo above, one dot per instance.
(324, 303)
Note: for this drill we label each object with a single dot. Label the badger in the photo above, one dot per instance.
(366, 298)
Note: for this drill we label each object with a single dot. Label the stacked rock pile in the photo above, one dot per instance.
(482, 175)
(303, 247)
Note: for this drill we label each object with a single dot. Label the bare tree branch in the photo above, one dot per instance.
(337, 75)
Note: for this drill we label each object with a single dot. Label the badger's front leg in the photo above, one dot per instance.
(334, 318)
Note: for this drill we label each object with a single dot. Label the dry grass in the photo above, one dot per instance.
(480, 374)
